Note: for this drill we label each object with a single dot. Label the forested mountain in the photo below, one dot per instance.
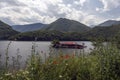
(66, 25)
(42, 35)
(109, 23)
(104, 32)
(6, 31)
(62, 29)
(28, 27)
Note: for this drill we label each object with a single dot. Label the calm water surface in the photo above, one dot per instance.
(24, 48)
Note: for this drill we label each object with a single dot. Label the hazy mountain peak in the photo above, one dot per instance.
(109, 23)
(28, 27)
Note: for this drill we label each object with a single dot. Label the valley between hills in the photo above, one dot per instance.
(61, 29)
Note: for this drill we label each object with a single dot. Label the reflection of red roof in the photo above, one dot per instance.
(68, 43)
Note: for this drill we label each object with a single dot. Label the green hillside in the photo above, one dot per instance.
(64, 29)
(66, 25)
(42, 35)
(104, 32)
(6, 31)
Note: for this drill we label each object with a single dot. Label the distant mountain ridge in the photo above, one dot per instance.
(28, 27)
(103, 31)
(66, 25)
(6, 31)
(63, 29)
(109, 23)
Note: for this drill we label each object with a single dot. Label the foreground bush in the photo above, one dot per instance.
(103, 63)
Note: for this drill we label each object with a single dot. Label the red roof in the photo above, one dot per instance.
(69, 43)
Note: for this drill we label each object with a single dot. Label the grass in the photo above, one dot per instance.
(103, 63)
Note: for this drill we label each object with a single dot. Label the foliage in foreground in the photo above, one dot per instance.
(103, 63)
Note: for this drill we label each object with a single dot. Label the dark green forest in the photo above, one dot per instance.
(61, 29)
(47, 36)
(106, 33)
(6, 31)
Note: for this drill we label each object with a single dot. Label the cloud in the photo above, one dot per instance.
(89, 12)
(80, 2)
(25, 16)
(110, 4)
(29, 12)
(93, 19)
(9, 3)
(118, 18)
(97, 9)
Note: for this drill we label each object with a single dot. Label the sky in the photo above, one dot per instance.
(89, 12)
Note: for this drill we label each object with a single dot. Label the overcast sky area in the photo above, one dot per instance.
(89, 12)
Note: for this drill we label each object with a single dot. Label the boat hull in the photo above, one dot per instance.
(69, 46)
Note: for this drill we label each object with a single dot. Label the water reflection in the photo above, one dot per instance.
(24, 48)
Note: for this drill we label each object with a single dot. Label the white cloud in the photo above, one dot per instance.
(92, 19)
(26, 14)
(71, 13)
(8, 3)
(53, 2)
(47, 11)
(97, 9)
(75, 15)
(110, 4)
(48, 19)
(80, 2)
(62, 8)
(118, 18)
(35, 4)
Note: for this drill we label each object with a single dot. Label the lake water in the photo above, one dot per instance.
(24, 48)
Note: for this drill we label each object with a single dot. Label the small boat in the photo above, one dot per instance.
(72, 45)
